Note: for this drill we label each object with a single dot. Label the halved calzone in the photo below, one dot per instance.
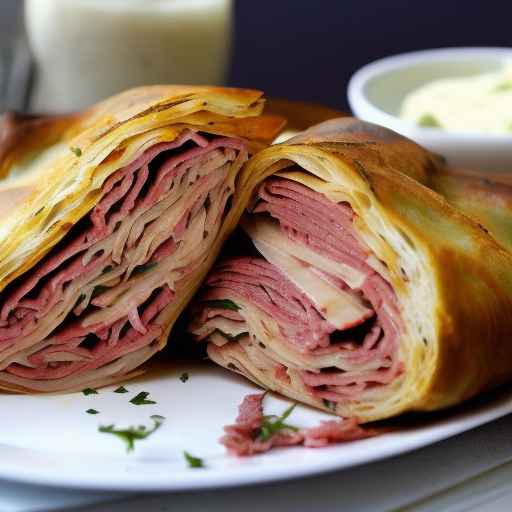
(366, 293)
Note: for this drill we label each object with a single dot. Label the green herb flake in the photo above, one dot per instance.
(76, 151)
(330, 405)
(98, 290)
(222, 304)
(193, 462)
(89, 391)
(141, 399)
(92, 411)
(184, 377)
(121, 389)
(429, 121)
(144, 268)
(504, 86)
(107, 269)
(131, 434)
(273, 424)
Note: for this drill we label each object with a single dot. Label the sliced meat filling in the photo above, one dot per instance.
(100, 292)
(312, 311)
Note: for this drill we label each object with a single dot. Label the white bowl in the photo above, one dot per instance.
(376, 92)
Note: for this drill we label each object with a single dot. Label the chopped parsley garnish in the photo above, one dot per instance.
(329, 404)
(141, 399)
(89, 391)
(223, 304)
(121, 389)
(131, 434)
(504, 86)
(92, 411)
(184, 377)
(77, 151)
(193, 462)
(107, 269)
(429, 121)
(144, 268)
(273, 424)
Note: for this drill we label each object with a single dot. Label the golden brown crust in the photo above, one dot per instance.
(472, 275)
(373, 144)
(484, 196)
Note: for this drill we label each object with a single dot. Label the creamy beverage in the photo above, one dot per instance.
(87, 50)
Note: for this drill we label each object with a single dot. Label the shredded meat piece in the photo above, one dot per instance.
(243, 437)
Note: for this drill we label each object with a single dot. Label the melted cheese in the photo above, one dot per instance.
(340, 308)
(268, 231)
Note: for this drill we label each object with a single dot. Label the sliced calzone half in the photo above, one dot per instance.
(365, 293)
(109, 220)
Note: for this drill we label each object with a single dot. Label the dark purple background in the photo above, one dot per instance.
(308, 49)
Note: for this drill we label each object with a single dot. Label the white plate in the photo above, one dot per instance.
(51, 440)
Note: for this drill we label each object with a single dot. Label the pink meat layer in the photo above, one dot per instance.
(40, 289)
(244, 437)
(309, 217)
(267, 288)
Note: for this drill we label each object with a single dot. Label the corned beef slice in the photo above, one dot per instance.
(97, 296)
